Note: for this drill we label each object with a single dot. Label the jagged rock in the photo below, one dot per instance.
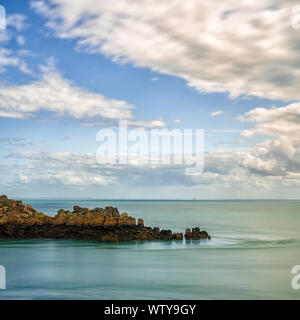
(109, 238)
(4, 200)
(123, 220)
(85, 211)
(196, 234)
(15, 212)
(112, 211)
(131, 221)
(188, 234)
(116, 213)
(178, 236)
(98, 211)
(76, 209)
(22, 221)
(110, 222)
(204, 235)
(140, 222)
(166, 234)
(109, 209)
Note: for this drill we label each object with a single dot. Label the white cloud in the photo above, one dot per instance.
(240, 47)
(16, 21)
(4, 36)
(82, 169)
(177, 120)
(216, 113)
(273, 164)
(8, 58)
(14, 142)
(23, 178)
(267, 171)
(61, 168)
(223, 171)
(20, 40)
(280, 154)
(283, 121)
(54, 93)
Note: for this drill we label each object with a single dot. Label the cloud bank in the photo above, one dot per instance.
(239, 47)
(269, 167)
(280, 154)
(224, 173)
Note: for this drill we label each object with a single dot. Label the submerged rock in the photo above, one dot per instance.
(18, 220)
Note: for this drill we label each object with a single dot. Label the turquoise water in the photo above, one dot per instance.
(254, 246)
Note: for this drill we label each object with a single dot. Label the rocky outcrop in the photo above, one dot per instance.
(178, 236)
(196, 234)
(14, 211)
(18, 220)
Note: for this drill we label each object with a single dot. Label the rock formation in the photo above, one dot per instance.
(196, 234)
(18, 220)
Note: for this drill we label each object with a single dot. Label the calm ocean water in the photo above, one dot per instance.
(254, 246)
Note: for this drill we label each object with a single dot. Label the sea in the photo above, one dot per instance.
(253, 249)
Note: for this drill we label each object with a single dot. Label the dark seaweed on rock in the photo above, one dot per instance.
(18, 220)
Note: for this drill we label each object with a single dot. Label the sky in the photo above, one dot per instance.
(70, 68)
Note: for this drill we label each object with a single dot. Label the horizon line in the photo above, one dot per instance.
(166, 199)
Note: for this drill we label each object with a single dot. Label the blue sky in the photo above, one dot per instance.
(186, 77)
